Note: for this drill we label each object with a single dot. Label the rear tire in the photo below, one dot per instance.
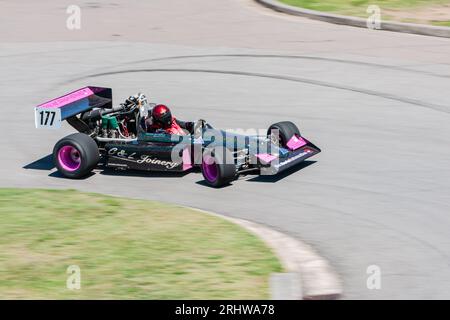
(218, 167)
(76, 155)
(286, 131)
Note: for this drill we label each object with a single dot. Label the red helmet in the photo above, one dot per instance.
(161, 114)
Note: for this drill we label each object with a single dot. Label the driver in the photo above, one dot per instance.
(161, 119)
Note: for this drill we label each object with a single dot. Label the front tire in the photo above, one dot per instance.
(76, 155)
(286, 130)
(218, 167)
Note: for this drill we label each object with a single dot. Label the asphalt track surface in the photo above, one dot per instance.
(377, 103)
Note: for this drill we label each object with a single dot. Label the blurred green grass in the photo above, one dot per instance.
(441, 23)
(126, 249)
(358, 7)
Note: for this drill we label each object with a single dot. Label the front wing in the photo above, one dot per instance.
(288, 157)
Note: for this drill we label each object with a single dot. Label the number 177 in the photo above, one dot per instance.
(46, 116)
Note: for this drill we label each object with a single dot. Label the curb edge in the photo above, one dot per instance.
(411, 28)
(315, 276)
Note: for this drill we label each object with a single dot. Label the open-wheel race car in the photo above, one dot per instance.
(118, 137)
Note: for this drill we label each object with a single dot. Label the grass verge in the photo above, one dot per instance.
(433, 12)
(126, 249)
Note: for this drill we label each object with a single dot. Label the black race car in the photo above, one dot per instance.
(116, 136)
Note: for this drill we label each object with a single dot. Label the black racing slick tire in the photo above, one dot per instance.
(76, 155)
(286, 130)
(218, 167)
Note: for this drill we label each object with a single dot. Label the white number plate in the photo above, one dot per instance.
(48, 118)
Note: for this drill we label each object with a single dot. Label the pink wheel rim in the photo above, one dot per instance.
(209, 168)
(69, 158)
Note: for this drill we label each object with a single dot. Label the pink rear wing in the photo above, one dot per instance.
(80, 100)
